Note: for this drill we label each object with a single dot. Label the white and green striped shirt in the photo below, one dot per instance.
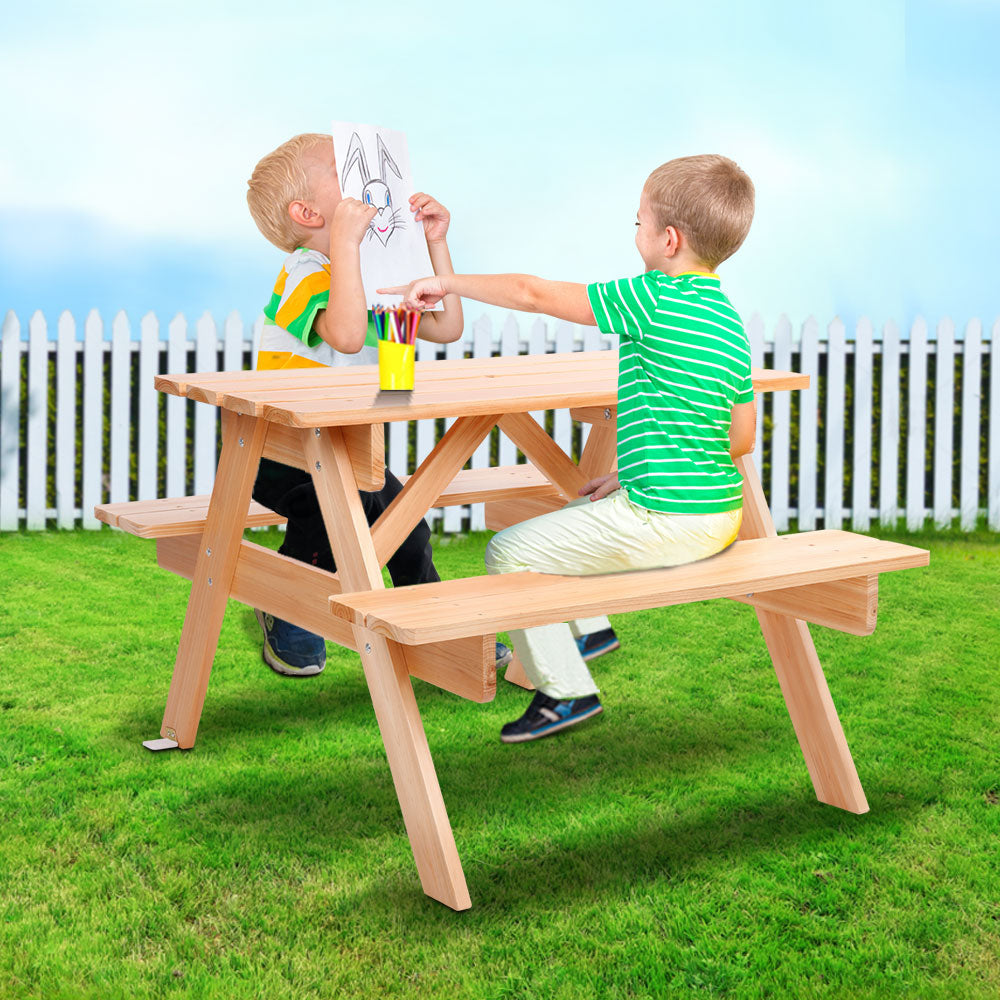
(684, 362)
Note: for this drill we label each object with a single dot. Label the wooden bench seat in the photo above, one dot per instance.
(187, 515)
(173, 516)
(799, 575)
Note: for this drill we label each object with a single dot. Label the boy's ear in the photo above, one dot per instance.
(302, 215)
(672, 241)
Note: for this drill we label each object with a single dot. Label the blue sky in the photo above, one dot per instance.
(871, 130)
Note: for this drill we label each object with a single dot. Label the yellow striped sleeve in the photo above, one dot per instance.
(297, 303)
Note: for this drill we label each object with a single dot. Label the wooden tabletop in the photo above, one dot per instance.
(327, 397)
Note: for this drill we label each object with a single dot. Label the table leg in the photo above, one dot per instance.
(800, 675)
(601, 450)
(410, 763)
(242, 444)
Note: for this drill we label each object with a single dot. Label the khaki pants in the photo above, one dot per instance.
(588, 537)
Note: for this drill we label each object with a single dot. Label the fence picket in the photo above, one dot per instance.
(993, 459)
(861, 460)
(563, 422)
(10, 422)
(509, 346)
(537, 337)
(808, 398)
(148, 397)
(755, 334)
(205, 415)
(121, 392)
(591, 342)
(944, 424)
(426, 429)
(833, 467)
(38, 416)
(916, 425)
(93, 418)
(780, 428)
(65, 423)
(482, 347)
(452, 516)
(176, 410)
(888, 475)
(969, 474)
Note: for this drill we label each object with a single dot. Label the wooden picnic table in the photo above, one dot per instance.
(330, 422)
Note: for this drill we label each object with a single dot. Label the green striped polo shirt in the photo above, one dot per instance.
(684, 362)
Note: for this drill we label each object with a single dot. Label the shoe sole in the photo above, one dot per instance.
(277, 664)
(504, 660)
(554, 727)
(609, 647)
(280, 667)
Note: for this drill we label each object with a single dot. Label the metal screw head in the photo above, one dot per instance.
(316, 431)
(368, 647)
(171, 734)
(208, 552)
(318, 466)
(607, 413)
(241, 442)
(210, 581)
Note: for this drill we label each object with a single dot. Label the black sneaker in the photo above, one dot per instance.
(547, 715)
(291, 650)
(597, 643)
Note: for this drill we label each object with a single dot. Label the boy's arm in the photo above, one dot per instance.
(742, 428)
(562, 299)
(344, 322)
(446, 326)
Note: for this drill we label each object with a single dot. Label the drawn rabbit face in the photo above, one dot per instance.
(375, 191)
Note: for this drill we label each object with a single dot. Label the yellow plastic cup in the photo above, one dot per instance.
(395, 365)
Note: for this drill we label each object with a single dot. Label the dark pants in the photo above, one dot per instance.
(290, 492)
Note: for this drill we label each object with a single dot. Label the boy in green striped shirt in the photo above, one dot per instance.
(685, 411)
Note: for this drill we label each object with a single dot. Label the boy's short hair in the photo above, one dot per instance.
(707, 198)
(278, 180)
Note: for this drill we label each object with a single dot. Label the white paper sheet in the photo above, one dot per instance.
(373, 165)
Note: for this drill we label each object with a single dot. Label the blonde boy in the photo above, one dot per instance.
(685, 411)
(317, 315)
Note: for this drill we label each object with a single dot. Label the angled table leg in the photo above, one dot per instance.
(800, 675)
(600, 453)
(389, 684)
(242, 443)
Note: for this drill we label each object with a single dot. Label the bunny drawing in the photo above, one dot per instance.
(375, 191)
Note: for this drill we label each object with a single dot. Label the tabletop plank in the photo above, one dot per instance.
(313, 397)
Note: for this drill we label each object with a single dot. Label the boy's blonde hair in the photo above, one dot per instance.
(708, 198)
(278, 180)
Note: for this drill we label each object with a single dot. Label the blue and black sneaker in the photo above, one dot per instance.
(504, 655)
(290, 650)
(597, 643)
(547, 715)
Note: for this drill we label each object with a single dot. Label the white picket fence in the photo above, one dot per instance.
(110, 436)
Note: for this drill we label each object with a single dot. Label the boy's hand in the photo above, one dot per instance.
(424, 293)
(350, 221)
(601, 486)
(433, 214)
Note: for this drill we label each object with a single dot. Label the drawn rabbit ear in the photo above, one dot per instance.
(385, 157)
(355, 154)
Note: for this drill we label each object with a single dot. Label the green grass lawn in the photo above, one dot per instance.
(671, 847)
